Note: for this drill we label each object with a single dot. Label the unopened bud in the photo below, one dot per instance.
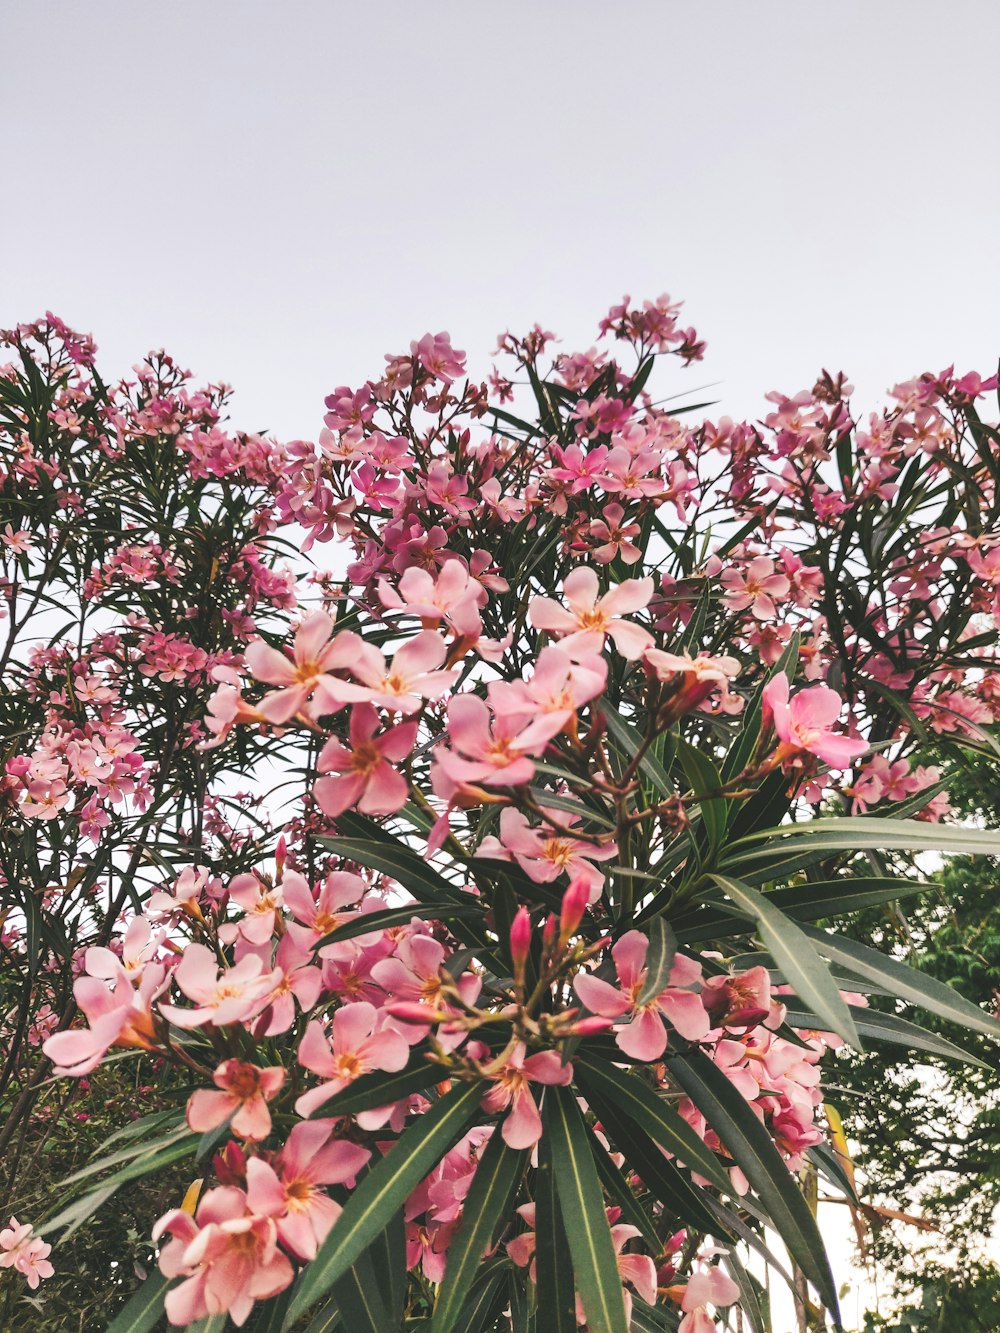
(574, 904)
(409, 1012)
(520, 939)
(586, 1027)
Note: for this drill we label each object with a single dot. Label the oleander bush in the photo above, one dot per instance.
(462, 935)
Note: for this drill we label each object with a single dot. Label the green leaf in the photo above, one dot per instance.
(753, 1150)
(555, 1293)
(359, 1300)
(327, 1320)
(857, 834)
(891, 1029)
(904, 982)
(484, 1300)
(661, 1121)
(670, 1186)
(749, 1304)
(370, 922)
(490, 1194)
(703, 779)
(400, 863)
(801, 964)
(803, 902)
(388, 1255)
(629, 740)
(145, 1307)
(659, 960)
(620, 1193)
(384, 1190)
(268, 1316)
(581, 1205)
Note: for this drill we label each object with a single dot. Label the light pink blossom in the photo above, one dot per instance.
(804, 723)
(522, 1127)
(357, 1045)
(363, 776)
(590, 618)
(243, 1091)
(643, 1035)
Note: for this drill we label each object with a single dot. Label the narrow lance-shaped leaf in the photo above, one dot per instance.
(555, 1292)
(145, 1307)
(892, 1029)
(857, 834)
(359, 1298)
(905, 982)
(801, 964)
(659, 960)
(489, 1196)
(661, 1121)
(753, 1150)
(581, 1204)
(384, 1190)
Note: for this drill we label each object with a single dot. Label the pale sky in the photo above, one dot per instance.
(279, 193)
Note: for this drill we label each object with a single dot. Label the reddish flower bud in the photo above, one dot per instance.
(409, 1012)
(520, 938)
(574, 904)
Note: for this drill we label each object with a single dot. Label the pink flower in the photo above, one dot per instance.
(614, 539)
(25, 1252)
(118, 1014)
(713, 1287)
(365, 777)
(548, 702)
(315, 652)
(228, 1255)
(804, 723)
(643, 1036)
(544, 854)
(402, 686)
(693, 679)
(300, 979)
(318, 912)
(638, 1269)
(738, 1001)
(522, 1127)
(582, 629)
(453, 596)
(756, 589)
(138, 947)
(261, 904)
(437, 356)
(414, 976)
(303, 1211)
(244, 1091)
(229, 995)
(489, 756)
(358, 1046)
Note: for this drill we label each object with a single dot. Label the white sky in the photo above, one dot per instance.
(281, 192)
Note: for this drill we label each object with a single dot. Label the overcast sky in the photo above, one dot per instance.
(279, 193)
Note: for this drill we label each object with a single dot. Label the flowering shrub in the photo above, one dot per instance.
(520, 1019)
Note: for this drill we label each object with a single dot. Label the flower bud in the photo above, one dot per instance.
(520, 939)
(574, 904)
